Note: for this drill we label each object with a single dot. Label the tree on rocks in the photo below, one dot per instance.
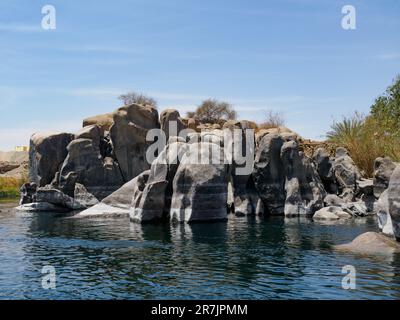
(212, 110)
(138, 98)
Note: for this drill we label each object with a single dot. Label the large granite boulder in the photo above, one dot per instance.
(84, 164)
(268, 174)
(128, 135)
(200, 188)
(304, 190)
(171, 122)
(118, 204)
(46, 154)
(153, 204)
(394, 201)
(383, 169)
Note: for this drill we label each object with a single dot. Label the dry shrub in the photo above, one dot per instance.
(274, 119)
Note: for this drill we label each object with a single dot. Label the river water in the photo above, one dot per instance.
(238, 259)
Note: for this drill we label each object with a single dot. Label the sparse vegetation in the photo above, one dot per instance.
(9, 186)
(211, 111)
(274, 119)
(372, 136)
(139, 98)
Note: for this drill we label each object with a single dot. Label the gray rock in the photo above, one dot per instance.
(331, 213)
(365, 186)
(371, 243)
(84, 164)
(153, 204)
(119, 202)
(46, 154)
(57, 198)
(394, 201)
(128, 135)
(200, 190)
(84, 197)
(384, 219)
(104, 121)
(268, 174)
(245, 195)
(333, 200)
(303, 188)
(324, 166)
(171, 119)
(383, 169)
(346, 172)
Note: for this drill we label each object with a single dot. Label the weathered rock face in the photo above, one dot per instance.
(303, 187)
(104, 121)
(383, 169)
(46, 154)
(84, 164)
(153, 204)
(324, 166)
(268, 174)
(128, 135)
(346, 174)
(200, 190)
(394, 201)
(170, 119)
(245, 195)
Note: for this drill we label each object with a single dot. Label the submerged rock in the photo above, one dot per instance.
(371, 243)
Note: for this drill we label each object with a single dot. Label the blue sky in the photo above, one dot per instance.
(289, 55)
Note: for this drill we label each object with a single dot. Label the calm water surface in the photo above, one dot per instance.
(242, 259)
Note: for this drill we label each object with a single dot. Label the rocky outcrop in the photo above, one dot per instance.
(153, 204)
(268, 174)
(346, 174)
(128, 135)
(324, 166)
(287, 182)
(383, 169)
(200, 190)
(303, 187)
(84, 164)
(245, 195)
(104, 121)
(394, 201)
(171, 123)
(46, 154)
